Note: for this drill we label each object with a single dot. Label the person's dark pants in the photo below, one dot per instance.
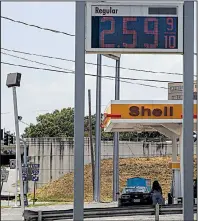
(157, 198)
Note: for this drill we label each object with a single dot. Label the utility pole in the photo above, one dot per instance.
(91, 140)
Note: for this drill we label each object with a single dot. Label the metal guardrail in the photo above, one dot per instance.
(30, 215)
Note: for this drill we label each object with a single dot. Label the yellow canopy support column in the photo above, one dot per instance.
(175, 166)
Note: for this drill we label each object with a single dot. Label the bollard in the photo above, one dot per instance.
(39, 215)
(157, 212)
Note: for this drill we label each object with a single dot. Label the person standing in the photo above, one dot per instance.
(156, 192)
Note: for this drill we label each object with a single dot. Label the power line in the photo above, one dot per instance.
(24, 123)
(90, 63)
(93, 75)
(36, 26)
(33, 111)
(37, 62)
(73, 71)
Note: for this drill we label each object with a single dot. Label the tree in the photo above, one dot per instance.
(58, 123)
(61, 124)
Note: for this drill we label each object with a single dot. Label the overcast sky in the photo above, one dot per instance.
(45, 91)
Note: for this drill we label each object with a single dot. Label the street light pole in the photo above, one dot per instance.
(18, 151)
(16, 178)
(13, 80)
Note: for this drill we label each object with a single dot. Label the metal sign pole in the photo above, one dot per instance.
(79, 112)
(1, 186)
(98, 130)
(116, 138)
(25, 164)
(188, 79)
(18, 151)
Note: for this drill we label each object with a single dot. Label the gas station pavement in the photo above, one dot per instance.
(15, 213)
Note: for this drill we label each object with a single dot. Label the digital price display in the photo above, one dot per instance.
(134, 29)
(135, 32)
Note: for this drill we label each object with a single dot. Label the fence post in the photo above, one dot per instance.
(157, 212)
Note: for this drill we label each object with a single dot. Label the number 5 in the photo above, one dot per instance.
(128, 32)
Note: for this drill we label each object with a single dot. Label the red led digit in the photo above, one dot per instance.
(129, 32)
(166, 41)
(107, 32)
(170, 23)
(153, 32)
(170, 41)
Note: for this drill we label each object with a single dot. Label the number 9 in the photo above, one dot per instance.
(153, 32)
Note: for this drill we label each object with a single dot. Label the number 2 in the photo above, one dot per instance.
(106, 32)
(131, 32)
(153, 32)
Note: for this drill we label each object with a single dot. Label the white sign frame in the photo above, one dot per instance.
(90, 50)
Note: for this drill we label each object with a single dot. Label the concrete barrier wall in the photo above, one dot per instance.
(56, 155)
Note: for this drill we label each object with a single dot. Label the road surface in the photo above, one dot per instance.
(15, 213)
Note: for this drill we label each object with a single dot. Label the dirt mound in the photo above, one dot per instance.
(153, 168)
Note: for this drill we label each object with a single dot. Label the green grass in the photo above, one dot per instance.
(5, 207)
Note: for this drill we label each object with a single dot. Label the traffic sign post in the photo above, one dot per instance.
(30, 173)
(24, 173)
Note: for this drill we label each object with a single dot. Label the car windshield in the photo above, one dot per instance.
(135, 189)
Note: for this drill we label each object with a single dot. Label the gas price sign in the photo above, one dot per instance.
(134, 28)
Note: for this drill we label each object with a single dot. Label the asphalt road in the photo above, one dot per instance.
(16, 214)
